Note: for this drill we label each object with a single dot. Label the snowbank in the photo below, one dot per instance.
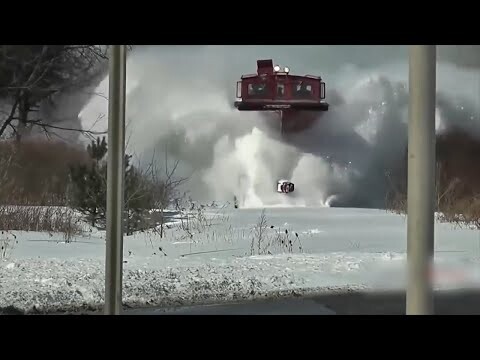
(33, 285)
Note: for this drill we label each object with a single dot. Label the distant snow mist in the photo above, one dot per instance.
(180, 102)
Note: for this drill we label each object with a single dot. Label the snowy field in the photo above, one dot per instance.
(216, 257)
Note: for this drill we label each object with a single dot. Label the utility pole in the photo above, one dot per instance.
(115, 180)
(421, 179)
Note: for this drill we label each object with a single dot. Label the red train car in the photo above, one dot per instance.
(297, 98)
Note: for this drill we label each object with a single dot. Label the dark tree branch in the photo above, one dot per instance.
(10, 117)
(49, 126)
(33, 74)
(13, 128)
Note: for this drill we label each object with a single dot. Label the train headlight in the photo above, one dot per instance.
(276, 68)
(287, 70)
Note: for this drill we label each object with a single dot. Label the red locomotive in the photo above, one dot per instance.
(298, 99)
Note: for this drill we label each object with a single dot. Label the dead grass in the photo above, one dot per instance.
(269, 239)
(33, 181)
(50, 219)
(457, 181)
(196, 223)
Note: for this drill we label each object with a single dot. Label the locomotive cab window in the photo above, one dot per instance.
(302, 90)
(257, 89)
(280, 90)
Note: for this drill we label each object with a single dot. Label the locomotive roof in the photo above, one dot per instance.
(280, 74)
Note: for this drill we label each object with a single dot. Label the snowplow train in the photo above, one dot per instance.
(298, 100)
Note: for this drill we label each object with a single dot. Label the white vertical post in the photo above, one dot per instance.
(421, 179)
(115, 180)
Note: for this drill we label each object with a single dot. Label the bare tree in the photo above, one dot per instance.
(31, 75)
(165, 186)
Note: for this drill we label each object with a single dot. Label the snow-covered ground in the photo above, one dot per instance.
(210, 260)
